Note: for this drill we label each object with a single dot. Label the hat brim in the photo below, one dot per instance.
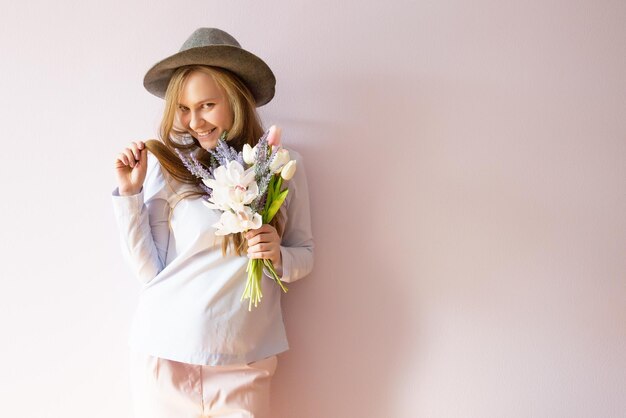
(252, 70)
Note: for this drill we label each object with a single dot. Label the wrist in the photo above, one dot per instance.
(279, 263)
(128, 192)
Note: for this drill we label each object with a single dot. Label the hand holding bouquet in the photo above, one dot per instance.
(247, 187)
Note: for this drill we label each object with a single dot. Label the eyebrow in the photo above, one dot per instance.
(201, 101)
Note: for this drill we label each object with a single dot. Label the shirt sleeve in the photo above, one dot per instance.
(297, 242)
(143, 223)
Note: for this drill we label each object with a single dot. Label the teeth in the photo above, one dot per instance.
(205, 133)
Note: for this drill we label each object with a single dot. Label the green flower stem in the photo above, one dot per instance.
(253, 284)
(270, 266)
(255, 275)
(275, 199)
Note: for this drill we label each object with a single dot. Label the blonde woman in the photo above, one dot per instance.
(196, 349)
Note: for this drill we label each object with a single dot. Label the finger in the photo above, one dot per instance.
(263, 247)
(253, 247)
(119, 163)
(259, 248)
(267, 237)
(144, 156)
(136, 153)
(130, 156)
(140, 144)
(257, 239)
(123, 158)
(271, 235)
(252, 233)
(263, 229)
(262, 254)
(268, 228)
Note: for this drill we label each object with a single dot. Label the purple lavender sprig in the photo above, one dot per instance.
(260, 155)
(196, 168)
(207, 189)
(262, 170)
(224, 153)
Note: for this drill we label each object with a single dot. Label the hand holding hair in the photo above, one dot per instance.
(130, 168)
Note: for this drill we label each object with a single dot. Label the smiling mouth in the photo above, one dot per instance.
(205, 134)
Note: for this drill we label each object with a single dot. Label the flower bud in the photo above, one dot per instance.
(273, 137)
(288, 170)
(281, 158)
(248, 154)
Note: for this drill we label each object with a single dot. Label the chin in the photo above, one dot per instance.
(208, 145)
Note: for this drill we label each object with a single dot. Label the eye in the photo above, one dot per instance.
(182, 108)
(209, 104)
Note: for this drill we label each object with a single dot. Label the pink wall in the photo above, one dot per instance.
(467, 166)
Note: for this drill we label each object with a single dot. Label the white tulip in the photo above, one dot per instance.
(233, 187)
(281, 158)
(248, 154)
(233, 222)
(288, 170)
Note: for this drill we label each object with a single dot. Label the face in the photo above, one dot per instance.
(203, 109)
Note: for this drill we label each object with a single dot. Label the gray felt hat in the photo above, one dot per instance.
(212, 46)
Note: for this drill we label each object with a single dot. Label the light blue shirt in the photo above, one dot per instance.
(189, 306)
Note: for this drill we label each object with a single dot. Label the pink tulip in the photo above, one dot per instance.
(273, 138)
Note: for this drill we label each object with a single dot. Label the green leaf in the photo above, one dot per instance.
(270, 187)
(278, 185)
(275, 277)
(276, 204)
(270, 194)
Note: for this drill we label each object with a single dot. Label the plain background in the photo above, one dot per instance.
(467, 166)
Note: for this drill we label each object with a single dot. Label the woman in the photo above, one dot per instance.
(196, 348)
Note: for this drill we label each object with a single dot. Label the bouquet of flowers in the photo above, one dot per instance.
(246, 187)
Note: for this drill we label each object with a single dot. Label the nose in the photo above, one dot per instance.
(196, 121)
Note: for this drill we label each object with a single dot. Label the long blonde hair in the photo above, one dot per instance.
(246, 129)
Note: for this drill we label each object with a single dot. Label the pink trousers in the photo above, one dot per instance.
(163, 388)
